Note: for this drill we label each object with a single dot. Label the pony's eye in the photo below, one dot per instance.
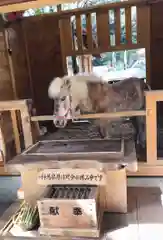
(63, 98)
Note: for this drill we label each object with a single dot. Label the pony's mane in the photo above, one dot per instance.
(55, 85)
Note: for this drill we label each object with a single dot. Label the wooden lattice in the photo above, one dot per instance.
(103, 33)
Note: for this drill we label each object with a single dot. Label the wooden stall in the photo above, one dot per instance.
(39, 163)
(24, 83)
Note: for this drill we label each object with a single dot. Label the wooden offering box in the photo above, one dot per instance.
(74, 162)
(75, 207)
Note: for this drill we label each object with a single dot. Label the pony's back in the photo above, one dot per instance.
(87, 77)
(79, 85)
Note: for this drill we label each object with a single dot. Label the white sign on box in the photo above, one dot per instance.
(71, 176)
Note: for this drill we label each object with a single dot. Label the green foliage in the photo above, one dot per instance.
(38, 11)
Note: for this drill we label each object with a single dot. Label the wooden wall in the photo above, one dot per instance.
(19, 62)
(157, 46)
(156, 53)
(37, 59)
(6, 90)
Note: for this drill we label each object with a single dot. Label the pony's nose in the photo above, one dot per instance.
(60, 123)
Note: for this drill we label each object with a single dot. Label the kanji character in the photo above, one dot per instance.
(77, 211)
(54, 211)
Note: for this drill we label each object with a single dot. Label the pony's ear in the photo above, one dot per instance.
(55, 87)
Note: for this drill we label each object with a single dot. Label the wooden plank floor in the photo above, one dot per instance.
(143, 221)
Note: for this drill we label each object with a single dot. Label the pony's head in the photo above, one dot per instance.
(72, 94)
(59, 91)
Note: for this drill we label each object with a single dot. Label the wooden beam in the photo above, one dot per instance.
(79, 33)
(96, 115)
(13, 105)
(117, 27)
(145, 170)
(66, 33)
(28, 60)
(103, 33)
(30, 4)
(128, 25)
(156, 94)
(10, 64)
(89, 31)
(110, 48)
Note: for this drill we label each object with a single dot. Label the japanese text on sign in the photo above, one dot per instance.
(77, 211)
(70, 177)
(54, 210)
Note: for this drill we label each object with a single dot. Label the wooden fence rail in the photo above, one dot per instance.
(95, 115)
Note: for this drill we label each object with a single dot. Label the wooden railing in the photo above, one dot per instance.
(101, 41)
(21, 132)
(104, 28)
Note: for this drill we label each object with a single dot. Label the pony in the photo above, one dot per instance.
(90, 93)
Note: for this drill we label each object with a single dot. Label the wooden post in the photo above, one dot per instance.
(143, 35)
(16, 131)
(26, 125)
(151, 129)
(2, 142)
(28, 60)
(116, 191)
(31, 192)
(85, 63)
(10, 63)
(59, 7)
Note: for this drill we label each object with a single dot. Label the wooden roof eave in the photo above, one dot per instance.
(21, 5)
(25, 5)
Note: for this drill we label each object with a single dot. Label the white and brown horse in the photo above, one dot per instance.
(90, 93)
